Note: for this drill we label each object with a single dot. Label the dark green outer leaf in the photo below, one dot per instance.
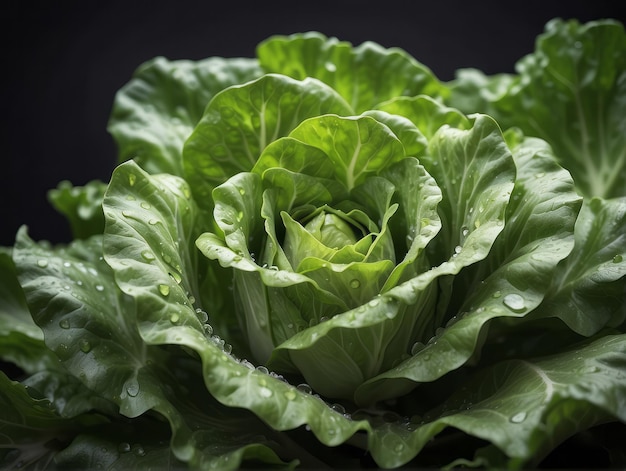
(571, 92)
(82, 206)
(158, 109)
(364, 75)
(589, 290)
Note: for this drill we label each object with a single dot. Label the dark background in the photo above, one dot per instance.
(64, 61)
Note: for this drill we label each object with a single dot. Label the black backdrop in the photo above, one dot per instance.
(64, 61)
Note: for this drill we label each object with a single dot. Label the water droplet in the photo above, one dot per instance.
(265, 392)
(355, 284)
(84, 345)
(123, 447)
(99, 288)
(514, 302)
(518, 418)
(417, 347)
(64, 324)
(132, 178)
(617, 259)
(290, 394)
(147, 255)
(67, 264)
(202, 315)
(43, 263)
(305, 388)
(208, 329)
(174, 318)
(329, 66)
(262, 369)
(496, 294)
(132, 390)
(338, 408)
(457, 249)
(153, 222)
(239, 215)
(242, 191)
(164, 290)
(139, 450)
(145, 205)
(464, 231)
(176, 277)
(373, 303)
(398, 448)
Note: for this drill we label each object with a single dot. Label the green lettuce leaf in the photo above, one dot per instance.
(364, 75)
(81, 205)
(570, 92)
(156, 111)
(242, 120)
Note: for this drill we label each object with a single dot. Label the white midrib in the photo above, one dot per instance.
(350, 177)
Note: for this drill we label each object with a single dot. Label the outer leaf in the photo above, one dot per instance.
(158, 109)
(572, 92)
(30, 427)
(82, 206)
(21, 340)
(242, 120)
(525, 408)
(588, 292)
(363, 75)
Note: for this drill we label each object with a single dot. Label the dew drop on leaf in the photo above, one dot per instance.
(355, 284)
(305, 388)
(290, 394)
(265, 392)
(174, 318)
(139, 450)
(123, 447)
(514, 302)
(132, 178)
(164, 290)
(132, 390)
(85, 346)
(64, 324)
(147, 255)
(417, 347)
(518, 418)
(42, 263)
(617, 259)
(99, 288)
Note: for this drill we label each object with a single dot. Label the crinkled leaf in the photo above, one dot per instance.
(30, 427)
(526, 407)
(588, 292)
(158, 109)
(81, 205)
(364, 75)
(572, 92)
(21, 340)
(356, 146)
(427, 114)
(242, 120)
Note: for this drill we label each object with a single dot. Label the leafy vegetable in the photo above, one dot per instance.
(326, 257)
